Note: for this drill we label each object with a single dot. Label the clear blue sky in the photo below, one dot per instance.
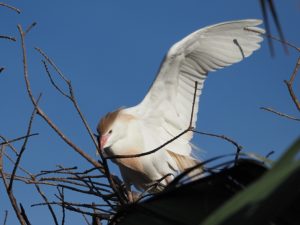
(111, 51)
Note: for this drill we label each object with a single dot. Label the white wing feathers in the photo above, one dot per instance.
(169, 100)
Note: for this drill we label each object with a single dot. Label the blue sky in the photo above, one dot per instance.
(111, 51)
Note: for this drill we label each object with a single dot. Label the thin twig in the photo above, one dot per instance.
(10, 194)
(238, 147)
(23, 213)
(18, 139)
(280, 113)
(46, 202)
(277, 24)
(62, 197)
(112, 181)
(275, 38)
(10, 7)
(29, 28)
(269, 154)
(289, 84)
(8, 37)
(151, 151)
(43, 115)
(23, 147)
(5, 217)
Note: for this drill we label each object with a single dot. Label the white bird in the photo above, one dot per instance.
(166, 109)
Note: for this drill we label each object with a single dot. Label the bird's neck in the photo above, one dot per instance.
(132, 142)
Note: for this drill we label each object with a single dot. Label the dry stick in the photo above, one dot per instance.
(71, 95)
(13, 162)
(8, 37)
(5, 142)
(23, 147)
(42, 114)
(32, 181)
(48, 120)
(5, 217)
(190, 128)
(289, 84)
(18, 139)
(277, 23)
(23, 213)
(238, 147)
(267, 25)
(61, 170)
(30, 27)
(72, 98)
(279, 113)
(10, 7)
(62, 196)
(275, 38)
(10, 194)
(70, 207)
(85, 219)
(46, 202)
(90, 206)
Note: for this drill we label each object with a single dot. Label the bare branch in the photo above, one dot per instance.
(5, 217)
(23, 213)
(8, 37)
(279, 113)
(46, 202)
(277, 24)
(289, 84)
(275, 38)
(62, 197)
(18, 139)
(43, 115)
(29, 28)
(10, 194)
(10, 7)
(23, 147)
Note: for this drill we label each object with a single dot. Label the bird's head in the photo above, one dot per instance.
(111, 128)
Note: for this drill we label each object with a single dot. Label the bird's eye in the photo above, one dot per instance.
(110, 131)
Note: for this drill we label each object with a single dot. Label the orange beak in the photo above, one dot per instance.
(103, 140)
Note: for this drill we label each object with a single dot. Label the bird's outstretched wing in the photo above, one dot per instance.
(169, 100)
